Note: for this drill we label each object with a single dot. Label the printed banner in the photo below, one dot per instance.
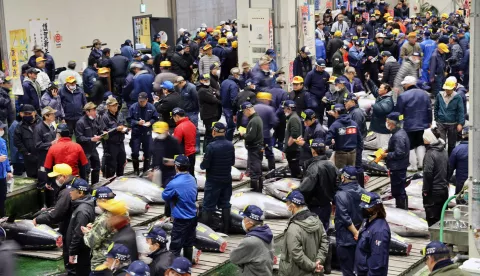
(270, 33)
(40, 34)
(18, 40)
(308, 29)
(15, 64)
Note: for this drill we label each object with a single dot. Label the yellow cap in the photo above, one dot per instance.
(390, 19)
(395, 31)
(163, 45)
(412, 34)
(444, 15)
(332, 79)
(377, 12)
(89, 106)
(337, 33)
(40, 59)
(264, 96)
(206, 47)
(103, 70)
(160, 127)
(218, 28)
(61, 169)
(443, 47)
(297, 79)
(202, 34)
(235, 44)
(165, 63)
(449, 85)
(70, 79)
(222, 40)
(386, 15)
(114, 206)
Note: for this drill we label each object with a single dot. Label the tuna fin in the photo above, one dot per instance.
(222, 234)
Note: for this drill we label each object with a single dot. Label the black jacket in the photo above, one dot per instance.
(85, 129)
(314, 131)
(62, 211)
(119, 65)
(24, 139)
(167, 148)
(126, 236)
(218, 160)
(43, 136)
(398, 150)
(100, 86)
(319, 183)
(435, 165)
(6, 108)
(180, 66)
(83, 213)
(161, 261)
(390, 70)
(166, 105)
(209, 102)
(109, 122)
(358, 116)
(158, 59)
(246, 95)
(332, 46)
(254, 135)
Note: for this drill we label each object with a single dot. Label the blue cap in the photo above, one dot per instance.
(246, 105)
(81, 185)
(118, 251)
(289, 103)
(137, 53)
(320, 62)
(253, 212)
(138, 268)
(214, 65)
(423, 85)
(103, 192)
(182, 161)
(270, 52)
(317, 143)
(395, 116)
(157, 233)
(340, 80)
(338, 107)
(181, 265)
(460, 31)
(219, 127)
(62, 128)
(363, 33)
(106, 95)
(434, 248)
(3, 125)
(350, 96)
(178, 111)
(167, 85)
(249, 81)
(349, 172)
(427, 33)
(369, 200)
(386, 54)
(179, 47)
(305, 50)
(308, 114)
(295, 197)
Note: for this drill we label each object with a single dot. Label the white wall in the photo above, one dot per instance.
(79, 22)
(192, 13)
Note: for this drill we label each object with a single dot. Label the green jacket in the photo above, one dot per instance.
(254, 135)
(337, 64)
(155, 48)
(294, 129)
(449, 270)
(449, 113)
(98, 239)
(305, 242)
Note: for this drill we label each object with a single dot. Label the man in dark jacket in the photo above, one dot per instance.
(100, 86)
(390, 68)
(358, 116)
(73, 100)
(248, 94)
(348, 218)
(337, 61)
(279, 95)
(114, 156)
(333, 46)
(179, 64)
(458, 162)
(254, 143)
(209, 106)
(119, 71)
(397, 158)
(302, 63)
(49, 64)
(141, 116)
(302, 98)
(319, 182)
(62, 213)
(437, 67)
(313, 130)
(164, 55)
(263, 77)
(142, 82)
(269, 120)
(218, 161)
(7, 115)
(346, 134)
(31, 90)
(293, 131)
(190, 103)
(161, 257)
(380, 109)
(439, 262)
(228, 92)
(83, 213)
(90, 75)
(168, 101)
(316, 83)
(24, 139)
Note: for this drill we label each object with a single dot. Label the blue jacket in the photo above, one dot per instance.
(142, 82)
(190, 98)
(451, 113)
(459, 161)
(220, 52)
(136, 113)
(320, 51)
(437, 64)
(371, 255)
(229, 91)
(347, 211)
(262, 80)
(353, 86)
(317, 83)
(218, 161)
(49, 65)
(465, 64)
(181, 193)
(269, 118)
(359, 117)
(5, 165)
(398, 150)
(72, 103)
(346, 134)
(462, 91)
(463, 42)
(356, 58)
(127, 51)
(278, 96)
(30, 95)
(428, 47)
(15, 155)
(89, 77)
(416, 108)
(128, 88)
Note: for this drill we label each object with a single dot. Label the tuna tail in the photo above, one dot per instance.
(12, 217)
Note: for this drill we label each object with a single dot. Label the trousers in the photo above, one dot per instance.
(93, 167)
(216, 195)
(254, 162)
(448, 132)
(114, 159)
(3, 196)
(228, 113)
(345, 158)
(346, 259)
(183, 234)
(208, 133)
(143, 142)
(293, 158)
(398, 179)
(323, 213)
(433, 204)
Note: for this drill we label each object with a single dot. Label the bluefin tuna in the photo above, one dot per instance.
(138, 186)
(241, 155)
(235, 221)
(135, 205)
(280, 187)
(29, 236)
(278, 154)
(272, 207)
(406, 223)
(237, 175)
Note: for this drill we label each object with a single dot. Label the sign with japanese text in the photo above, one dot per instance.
(15, 64)
(18, 40)
(40, 34)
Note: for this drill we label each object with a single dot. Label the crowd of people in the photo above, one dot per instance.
(54, 128)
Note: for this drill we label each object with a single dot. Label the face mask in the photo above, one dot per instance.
(71, 87)
(163, 51)
(377, 17)
(386, 126)
(366, 214)
(337, 89)
(181, 52)
(28, 119)
(244, 227)
(289, 210)
(59, 184)
(91, 117)
(155, 135)
(266, 71)
(206, 83)
(162, 136)
(2, 132)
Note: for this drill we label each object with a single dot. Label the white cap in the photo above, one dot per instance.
(429, 136)
(222, 22)
(181, 30)
(228, 28)
(409, 80)
(203, 25)
(451, 78)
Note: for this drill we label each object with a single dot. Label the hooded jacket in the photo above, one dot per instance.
(317, 83)
(31, 94)
(435, 164)
(458, 161)
(390, 70)
(319, 183)
(305, 242)
(54, 102)
(416, 108)
(209, 102)
(83, 213)
(447, 268)
(380, 109)
(391, 46)
(348, 211)
(346, 134)
(398, 150)
(161, 261)
(254, 255)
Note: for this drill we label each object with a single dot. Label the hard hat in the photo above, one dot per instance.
(160, 127)
(61, 169)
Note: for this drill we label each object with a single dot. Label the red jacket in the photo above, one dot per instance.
(67, 152)
(186, 134)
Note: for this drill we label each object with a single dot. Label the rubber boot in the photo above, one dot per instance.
(401, 203)
(226, 220)
(260, 185)
(188, 253)
(413, 161)
(271, 164)
(254, 185)
(328, 261)
(206, 218)
(146, 165)
(136, 166)
(95, 176)
(420, 151)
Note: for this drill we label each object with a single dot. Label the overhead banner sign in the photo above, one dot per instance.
(18, 40)
(308, 27)
(40, 34)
